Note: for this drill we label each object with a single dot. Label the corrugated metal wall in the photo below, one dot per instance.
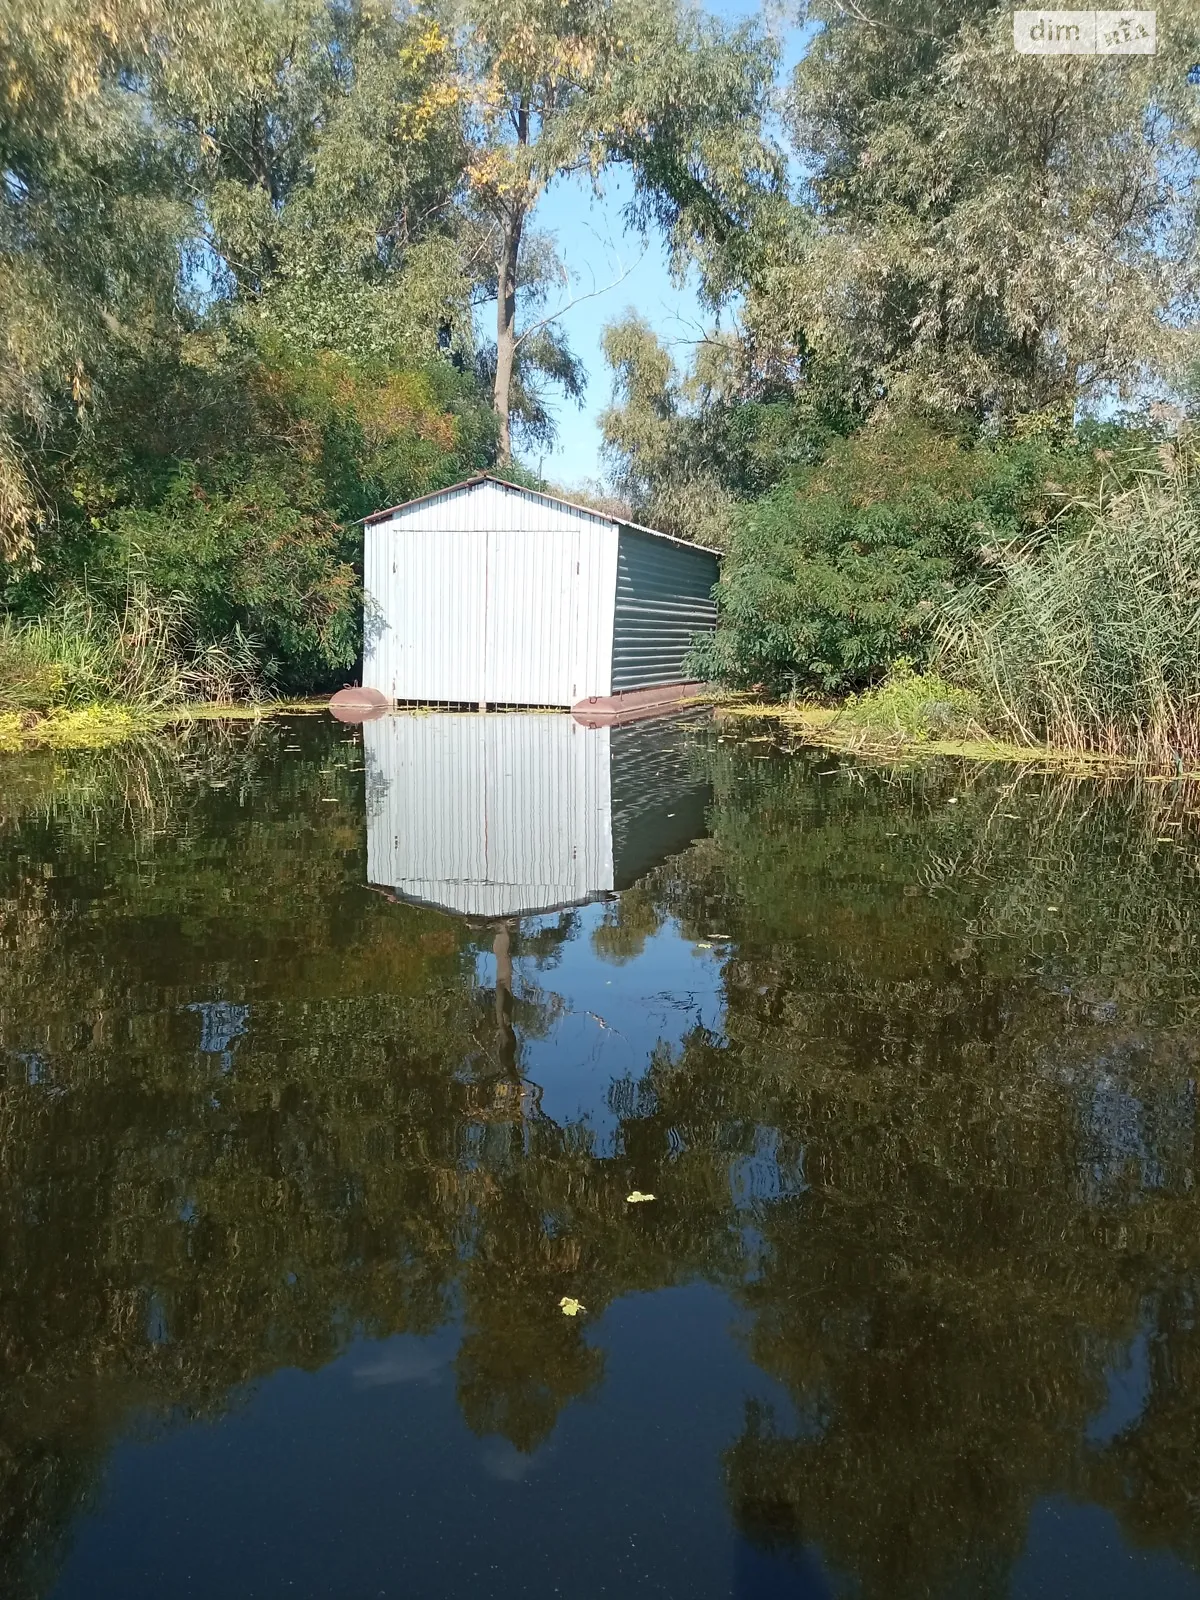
(489, 816)
(489, 593)
(663, 598)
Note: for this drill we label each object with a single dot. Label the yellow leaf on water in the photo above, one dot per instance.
(570, 1307)
(636, 1198)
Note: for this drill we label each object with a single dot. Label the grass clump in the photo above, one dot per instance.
(144, 656)
(912, 705)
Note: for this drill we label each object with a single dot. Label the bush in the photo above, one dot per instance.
(833, 577)
(224, 494)
(1091, 641)
(249, 564)
(915, 705)
(79, 654)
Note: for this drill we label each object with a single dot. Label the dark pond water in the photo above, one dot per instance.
(329, 1059)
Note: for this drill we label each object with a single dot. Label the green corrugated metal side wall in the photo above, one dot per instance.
(664, 598)
(660, 797)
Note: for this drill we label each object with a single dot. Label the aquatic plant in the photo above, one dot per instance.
(1091, 641)
(145, 655)
(915, 705)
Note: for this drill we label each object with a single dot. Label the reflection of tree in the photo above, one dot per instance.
(998, 1165)
(1150, 1471)
(628, 922)
(942, 1154)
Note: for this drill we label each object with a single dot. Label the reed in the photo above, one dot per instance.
(1091, 641)
(146, 655)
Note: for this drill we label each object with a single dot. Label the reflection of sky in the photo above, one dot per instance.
(1077, 1552)
(615, 1016)
(222, 1024)
(1128, 1383)
(1146, 1138)
(362, 1478)
(765, 1173)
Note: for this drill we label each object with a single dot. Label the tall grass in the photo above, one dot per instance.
(145, 655)
(1091, 642)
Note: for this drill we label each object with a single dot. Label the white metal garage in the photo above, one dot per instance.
(489, 594)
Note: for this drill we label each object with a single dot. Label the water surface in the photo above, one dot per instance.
(330, 1058)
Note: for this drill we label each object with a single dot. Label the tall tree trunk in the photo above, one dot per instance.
(512, 224)
(506, 328)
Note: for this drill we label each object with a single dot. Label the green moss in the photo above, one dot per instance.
(94, 727)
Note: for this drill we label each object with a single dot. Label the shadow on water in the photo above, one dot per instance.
(330, 1060)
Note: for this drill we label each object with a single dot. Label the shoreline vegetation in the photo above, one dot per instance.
(830, 728)
(1070, 637)
(102, 726)
(868, 726)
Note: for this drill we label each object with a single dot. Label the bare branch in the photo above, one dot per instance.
(578, 299)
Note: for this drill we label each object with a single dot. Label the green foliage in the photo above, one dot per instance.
(250, 564)
(329, 172)
(835, 575)
(1092, 640)
(93, 209)
(996, 232)
(225, 486)
(683, 447)
(914, 705)
(147, 654)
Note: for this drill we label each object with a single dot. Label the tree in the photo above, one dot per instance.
(330, 175)
(569, 89)
(997, 232)
(685, 446)
(93, 209)
(653, 444)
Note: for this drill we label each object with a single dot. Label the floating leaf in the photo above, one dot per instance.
(637, 1197)
(570, 1307)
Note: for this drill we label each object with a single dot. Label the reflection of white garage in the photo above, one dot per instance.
(488, 816)
(491, 594)
(495, 816)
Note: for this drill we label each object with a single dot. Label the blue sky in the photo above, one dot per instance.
(596, 250)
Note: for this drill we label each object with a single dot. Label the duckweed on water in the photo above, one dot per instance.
(93, 727)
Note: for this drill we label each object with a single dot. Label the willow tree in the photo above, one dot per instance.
(331, 169)
(95, 205)
(998, 232)
(662, 456)
(572, 88)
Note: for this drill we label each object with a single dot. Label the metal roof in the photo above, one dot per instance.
(539, 494)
